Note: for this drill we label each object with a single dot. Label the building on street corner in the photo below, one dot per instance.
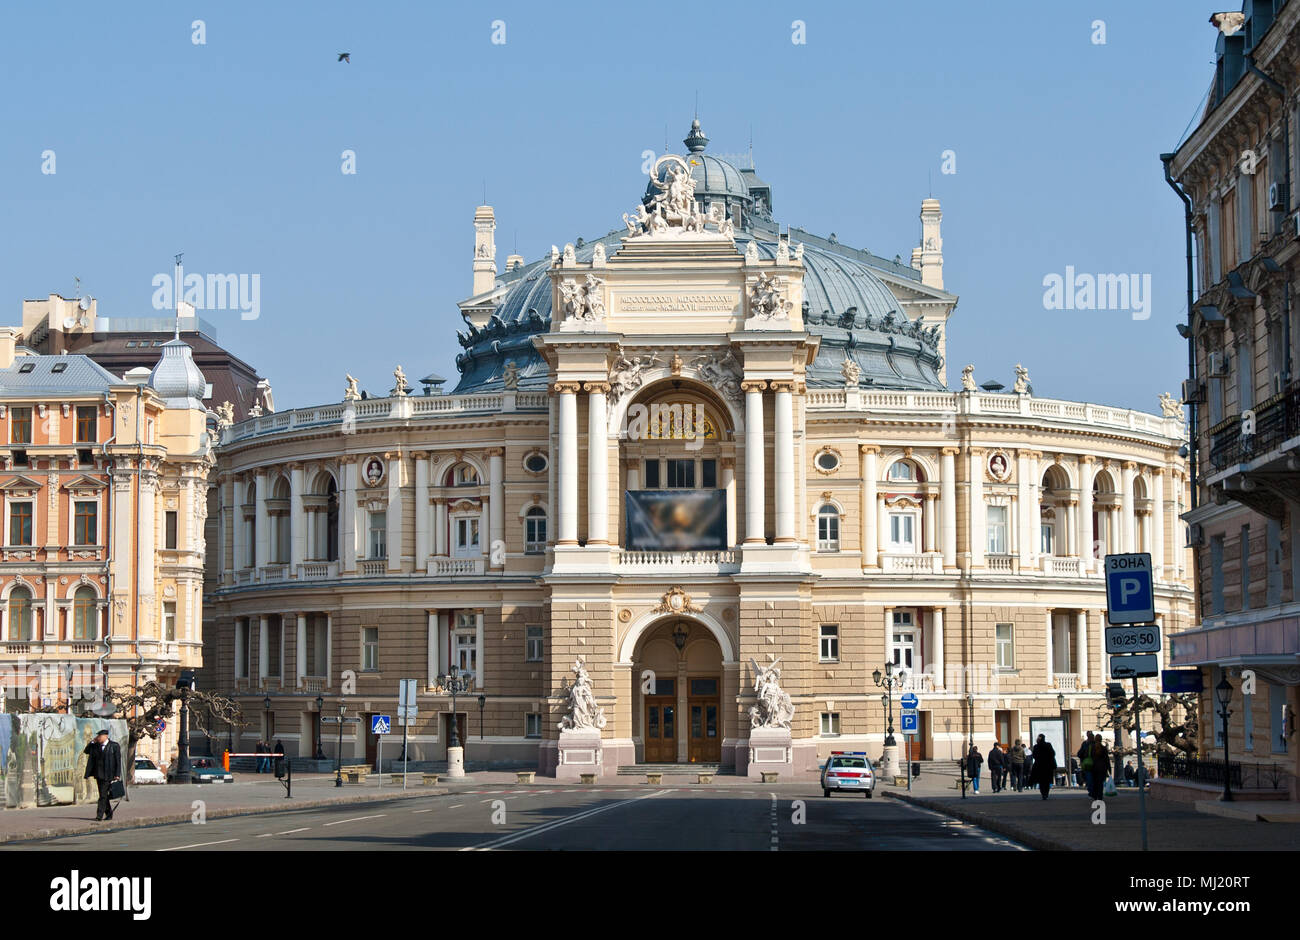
(690, 466)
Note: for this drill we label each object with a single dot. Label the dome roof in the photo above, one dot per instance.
(845, 301)
(177, 379)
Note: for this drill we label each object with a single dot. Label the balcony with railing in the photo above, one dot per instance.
(1276, 421)
(1066, 681)
(916, 563)
(632, 561)
(455, 567)
(374, 567)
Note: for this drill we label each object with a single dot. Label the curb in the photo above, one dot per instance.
(1011, 830)
(149, 821)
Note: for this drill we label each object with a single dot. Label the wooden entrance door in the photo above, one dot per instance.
(660, 729)
(704, 741)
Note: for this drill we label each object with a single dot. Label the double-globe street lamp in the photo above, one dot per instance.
(887, 682)
(320, 710)
(457, 683)
(338, 769)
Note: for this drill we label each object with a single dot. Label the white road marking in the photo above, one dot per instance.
(457, 806)
(556, 824)
(289, 832)
(266, 835)
(339, 822)
(196, 845)
(418, 811)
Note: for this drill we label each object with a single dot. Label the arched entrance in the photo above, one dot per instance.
(677, 678)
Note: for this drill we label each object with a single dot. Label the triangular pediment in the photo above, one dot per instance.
(84, 482)
(20, 483)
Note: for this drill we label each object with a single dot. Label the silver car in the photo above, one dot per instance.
(848, 770)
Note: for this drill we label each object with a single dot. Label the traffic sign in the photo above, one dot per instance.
(335, 719)
(1133, 639)
(910, 723)
(1134, 667)
(909, 700)
(162, 725)
(1129, 594)
(380, 724)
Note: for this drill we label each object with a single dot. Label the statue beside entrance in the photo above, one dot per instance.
(770, 747)
(579, 748)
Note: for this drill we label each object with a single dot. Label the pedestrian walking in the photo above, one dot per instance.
(1130, 775)
(974, 760)
(997, 766)
(1085, 762)
(1044, 771)
(1017, 759)
(1099, 768)
(104, 764)
(260, 749)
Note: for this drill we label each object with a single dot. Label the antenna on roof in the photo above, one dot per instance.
(484, 191)
(697, 104)
(751, 145)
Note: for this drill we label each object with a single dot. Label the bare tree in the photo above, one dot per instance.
(152, 701)
(1174, 719)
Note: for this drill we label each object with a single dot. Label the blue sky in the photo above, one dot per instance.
(230, 151)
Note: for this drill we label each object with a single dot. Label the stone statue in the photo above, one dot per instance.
(583, 712)
(598, 256)
(510, 375)
(400, 376)
(798, 253)
(1171, 407)
(626, 374)
(256, 410)
(1022, 380)
(722, 372)
(570, 256)
(751, 252)
(718, 216)
(765, 299)
(851, 371)
(484, 251)
(225, 414)
(351, 393)
(773, 708)
(583, 301)
(968, 379)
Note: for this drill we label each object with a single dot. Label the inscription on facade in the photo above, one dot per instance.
(677, 303)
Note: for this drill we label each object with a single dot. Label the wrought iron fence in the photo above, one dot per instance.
(1276, 420)
(1242, 776)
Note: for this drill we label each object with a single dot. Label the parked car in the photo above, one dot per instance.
(848, 770)
(206, 770)
(146, 771)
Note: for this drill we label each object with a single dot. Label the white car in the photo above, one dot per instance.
(848, 770)
(146, 771)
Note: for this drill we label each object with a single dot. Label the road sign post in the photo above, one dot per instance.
(1130, 600)
(380, 725)
(1133, 639)
(910, 725)
(1129, 594)
(406, 713)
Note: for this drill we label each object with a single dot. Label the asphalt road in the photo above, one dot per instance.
(634, 818)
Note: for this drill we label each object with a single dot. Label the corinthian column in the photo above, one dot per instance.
(978, 512)
(755, 489)
(1126, 506)
(870, 472)
(1086, 536)
(784, 461)
(496, 504)
(597, 464)
(948, 504)
(568, 454)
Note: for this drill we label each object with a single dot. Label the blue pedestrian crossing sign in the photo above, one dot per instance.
(909, 700)
(911, 723)
(1129, 594)
(380, 724)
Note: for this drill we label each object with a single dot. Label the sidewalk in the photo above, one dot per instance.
(261, 793)
(1064, 821)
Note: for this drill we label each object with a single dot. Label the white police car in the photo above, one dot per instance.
(848, 770)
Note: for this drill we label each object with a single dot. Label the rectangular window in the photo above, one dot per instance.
(533, 725)
(467, 536)
(1248, 720)
(20, 425)
(997, 530)
(85, 528)
(830, 722)
(1277, 715)
(1228, 230)
(1216, 676)
(20, 523)
(828, 530)
(535, 532)
(1216, 574)
(86, 424)
(1214, 247)
(242, 633)
(533, 643)
(378, 535)
(1245, 376)
(169, 622)
(902, 532)
(1245, 567)
(1006, 641)
(466, 651)
(681, 474)
(169, 530)
(652, 474)
(709, 474)
(830, 643)
(370, 648)
(1046, 538)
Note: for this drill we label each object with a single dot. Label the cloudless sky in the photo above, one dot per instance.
(231, 152)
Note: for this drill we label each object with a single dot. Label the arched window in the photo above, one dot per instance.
(84, 614)
(903, 471)
(250, 523)
(464, 475)
(280, 533)
(535, 531)
(828, 529)
(20, 614)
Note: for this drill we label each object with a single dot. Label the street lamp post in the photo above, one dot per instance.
(457, 683)
(320, 710)
(482, 700)
(338, 769)
(1223, 692)
(185, 683)
(887, 681)
(1065, 723)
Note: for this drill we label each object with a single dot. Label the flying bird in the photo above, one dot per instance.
(345, 57)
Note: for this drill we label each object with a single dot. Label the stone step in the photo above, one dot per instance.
(640, 770)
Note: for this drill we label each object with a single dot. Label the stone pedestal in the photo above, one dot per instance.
(889, 766)
(578, 753)
(455, 762)
(770, 751)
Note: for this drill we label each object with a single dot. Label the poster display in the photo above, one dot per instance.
(41, 759)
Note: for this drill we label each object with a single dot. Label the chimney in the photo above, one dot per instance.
(916, 257)
(485, 250)
(8, 340)
(931, 244)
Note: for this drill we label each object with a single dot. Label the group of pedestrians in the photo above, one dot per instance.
(1018, 767)
(265, 764)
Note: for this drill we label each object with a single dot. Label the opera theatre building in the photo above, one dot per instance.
(701, 477)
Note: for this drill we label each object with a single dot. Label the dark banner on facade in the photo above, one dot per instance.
(676, 520)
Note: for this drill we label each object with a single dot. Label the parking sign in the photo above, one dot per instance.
(1129, 594)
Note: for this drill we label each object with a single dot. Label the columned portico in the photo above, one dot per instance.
(869, 510)
(755, 488)
(597, 464)
(783, 461)
(568, 469)
(1086, 549)
(948, 504)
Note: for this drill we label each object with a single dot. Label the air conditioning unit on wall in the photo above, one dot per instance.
(1277, 197)
(1195, 535)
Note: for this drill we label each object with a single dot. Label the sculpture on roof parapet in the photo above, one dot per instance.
(968, 379)
(351, 393)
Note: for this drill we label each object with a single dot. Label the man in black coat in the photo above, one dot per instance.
(997, 761)
(104, 763)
